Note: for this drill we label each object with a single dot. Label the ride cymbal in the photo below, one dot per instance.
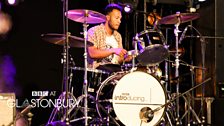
(59, 39)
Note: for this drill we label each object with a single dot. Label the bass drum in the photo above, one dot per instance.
(126, 98)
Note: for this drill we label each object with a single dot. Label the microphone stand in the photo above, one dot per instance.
(205, 37)
(151, 112)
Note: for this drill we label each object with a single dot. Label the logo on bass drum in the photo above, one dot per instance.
(128, 97)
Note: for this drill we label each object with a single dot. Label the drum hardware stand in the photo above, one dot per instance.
(108, 112)
(135, 42)
(203, 49)
(190, 109)
(77, 103)
(177, 63)
(151, 112)
(187, 99)
(109, 117)
(85, 81)
(66, 94)
(176, 31)
(208, 101)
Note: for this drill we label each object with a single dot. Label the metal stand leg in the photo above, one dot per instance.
(187, 102)
(169, 119)
(209, 101)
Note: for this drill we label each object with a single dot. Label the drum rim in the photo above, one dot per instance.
(122, 74)
(147, 31)
(91, 70)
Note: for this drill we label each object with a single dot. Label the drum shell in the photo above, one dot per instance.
(94, 78)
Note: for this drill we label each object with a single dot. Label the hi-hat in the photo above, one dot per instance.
(86, 16)
(184, 17)
(59, 39)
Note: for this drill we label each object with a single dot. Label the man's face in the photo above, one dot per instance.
(114, 19)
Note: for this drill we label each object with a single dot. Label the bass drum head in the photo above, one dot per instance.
(128, 97)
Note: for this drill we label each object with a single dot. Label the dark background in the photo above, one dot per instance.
(37, 62)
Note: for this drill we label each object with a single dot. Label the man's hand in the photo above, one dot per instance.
(119, 51)
(128, 58)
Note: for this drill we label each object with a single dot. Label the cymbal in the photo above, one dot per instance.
(81, 15)
(184, 17)
(59, 39)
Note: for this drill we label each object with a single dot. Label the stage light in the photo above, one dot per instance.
(12, 2)
(201, 0)
(127, 9)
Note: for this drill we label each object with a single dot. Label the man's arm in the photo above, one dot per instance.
(96, 53)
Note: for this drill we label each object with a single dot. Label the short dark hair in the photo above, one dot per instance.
(110, 7)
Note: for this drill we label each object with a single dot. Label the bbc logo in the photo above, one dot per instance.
(40, 93)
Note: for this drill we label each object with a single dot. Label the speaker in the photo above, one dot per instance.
(7, 109)
(218, 112)
(219, 47)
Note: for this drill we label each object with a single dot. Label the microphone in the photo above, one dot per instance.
(183, 34)
(149, 114)
(146, 114)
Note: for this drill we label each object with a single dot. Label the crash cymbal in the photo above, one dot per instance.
(81, 15)
(184, 17)
(59, 39)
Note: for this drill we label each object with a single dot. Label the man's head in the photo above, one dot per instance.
(113, 15)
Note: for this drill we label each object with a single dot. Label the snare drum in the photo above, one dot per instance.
(154, 49)
(128, 97)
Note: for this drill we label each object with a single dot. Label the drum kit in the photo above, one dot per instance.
(133, 96)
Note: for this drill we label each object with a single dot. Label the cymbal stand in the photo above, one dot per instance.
(66, 95)
(176, 31)
(85, 82)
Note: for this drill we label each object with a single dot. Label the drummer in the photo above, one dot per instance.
(108, 48)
